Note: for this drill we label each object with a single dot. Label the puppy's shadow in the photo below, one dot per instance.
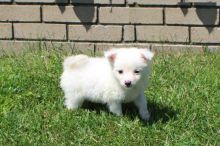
(158, 112)
(94, 107)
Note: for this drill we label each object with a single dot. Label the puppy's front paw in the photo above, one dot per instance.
(145, 116)
(115, 108)
(118, 113)
(70, 105)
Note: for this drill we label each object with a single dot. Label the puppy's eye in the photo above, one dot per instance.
(120, 71)
(136, 71)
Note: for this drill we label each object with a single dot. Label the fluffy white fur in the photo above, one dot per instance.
(120, 76)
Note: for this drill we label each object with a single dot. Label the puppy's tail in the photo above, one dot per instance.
(75, 61)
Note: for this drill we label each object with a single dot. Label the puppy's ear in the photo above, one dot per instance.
(147, 54)
(111, 55)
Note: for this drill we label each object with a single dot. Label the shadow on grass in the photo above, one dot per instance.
(161, 113)
(158, 111)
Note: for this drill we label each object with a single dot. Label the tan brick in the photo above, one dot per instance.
(5, 31)
(129, 33)
(131, 15)
(162, 33)
(19, 13)
(75, 47)
(41, 1)
(10, 47)
(67, 48)
(167, 48)
(40, 31)
(69, 14)
(95, 33)
(114, 15)
(71, 47)
(191, 16)
(101, 47)
(98, 1)
(146, 15)
(204, 2)
(205, 34)
(212, 49)
(3, 1)
(154, 2)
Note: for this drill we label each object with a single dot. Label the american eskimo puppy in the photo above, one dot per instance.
(120, 76)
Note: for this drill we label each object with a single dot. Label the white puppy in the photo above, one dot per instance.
(119, 77)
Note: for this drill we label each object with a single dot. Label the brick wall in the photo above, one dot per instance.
(101, 24)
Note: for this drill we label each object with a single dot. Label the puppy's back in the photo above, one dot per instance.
(75, 61)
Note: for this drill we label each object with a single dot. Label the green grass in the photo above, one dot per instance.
(184, 101)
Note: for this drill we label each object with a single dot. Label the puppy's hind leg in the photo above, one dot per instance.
(73, 101)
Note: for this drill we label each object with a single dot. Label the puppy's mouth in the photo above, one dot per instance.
(128, 86)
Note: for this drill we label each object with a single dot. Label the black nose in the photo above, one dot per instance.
(128, 83)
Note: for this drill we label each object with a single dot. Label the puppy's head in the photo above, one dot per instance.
(129, 65)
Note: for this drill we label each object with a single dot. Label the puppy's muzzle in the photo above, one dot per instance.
(128, 84)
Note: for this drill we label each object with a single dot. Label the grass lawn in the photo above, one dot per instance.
(184, 101)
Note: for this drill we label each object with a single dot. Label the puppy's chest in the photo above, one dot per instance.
(131, 96)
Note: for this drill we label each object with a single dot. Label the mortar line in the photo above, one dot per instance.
(164, 16)
(189, 29)
(41, 13)
(13, 35)
(67, 32)
(97, 14)
(123, 33)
